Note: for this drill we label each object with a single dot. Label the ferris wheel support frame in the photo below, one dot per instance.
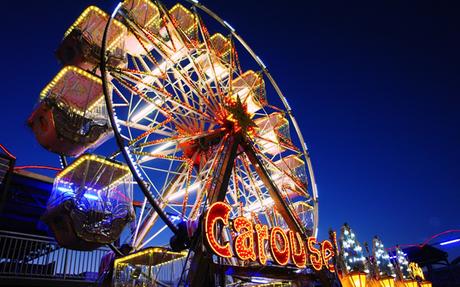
(201, 266)
(201, 263)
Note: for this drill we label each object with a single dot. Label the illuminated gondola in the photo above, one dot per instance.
(91, 203)
(71, 116)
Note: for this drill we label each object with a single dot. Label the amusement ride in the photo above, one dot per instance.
(161, 111)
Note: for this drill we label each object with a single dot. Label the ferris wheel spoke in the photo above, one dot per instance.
(243, 194)
(160, 46)
(231, 66)
(180, 93)
(179, 89)
(151, 131)
(187, 53)
(211, 107)
(282, 173)
(155, 41)
(151, 217)
(143, 128)
(134, 235)
(252, 184)
(173, 58)
(179, 179)
(207, 135)
(261, 201)
(208, 100)
(206, 174)
(211, 95)
(152, 237)
(124, 78)
(119, 95)
(205, 36)
(172, 28)
(133, 89)
(233, 186)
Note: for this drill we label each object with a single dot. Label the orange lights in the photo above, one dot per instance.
(357, 279)
(327, 252)
(315, 254)
(218, 211)
(298, 252)
(425, 284)
(410, 283)
(262, 236)
(244, 241)
(387, 281)
(279, 246)
(249, 241)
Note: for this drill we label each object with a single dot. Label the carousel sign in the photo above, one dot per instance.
(250, 241)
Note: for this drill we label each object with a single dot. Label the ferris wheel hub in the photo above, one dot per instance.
(237, 117)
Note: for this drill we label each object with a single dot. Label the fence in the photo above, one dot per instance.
(32, 256)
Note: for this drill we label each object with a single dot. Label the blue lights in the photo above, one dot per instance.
(449, 242)
(69, 191)
(230, 271)
(91, 196)
(175, 218)
(65, 189)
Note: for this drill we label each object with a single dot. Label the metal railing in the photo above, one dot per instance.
(32, 256)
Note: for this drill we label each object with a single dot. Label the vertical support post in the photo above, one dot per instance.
(201, 272)
(65, 263)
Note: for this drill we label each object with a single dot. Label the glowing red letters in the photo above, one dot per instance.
(249, 241)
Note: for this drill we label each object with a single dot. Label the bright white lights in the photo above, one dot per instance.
(116, 9)
(229, 26)
(91, 196)
(181, 192)
(157, 150)
(450, 241)
(268, 202)
(146, 110)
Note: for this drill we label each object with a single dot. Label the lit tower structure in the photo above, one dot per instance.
(352, 263)
(403, 271)
(383, 272)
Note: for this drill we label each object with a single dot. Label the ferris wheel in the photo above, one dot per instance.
(171, 108)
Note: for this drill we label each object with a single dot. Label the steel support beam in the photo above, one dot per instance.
(202, 270)
(281, 205)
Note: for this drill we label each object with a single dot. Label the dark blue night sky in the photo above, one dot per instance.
(374, 86)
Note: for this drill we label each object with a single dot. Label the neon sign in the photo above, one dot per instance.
(249, 241)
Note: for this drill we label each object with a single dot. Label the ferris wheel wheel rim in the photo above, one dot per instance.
(260, 63)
